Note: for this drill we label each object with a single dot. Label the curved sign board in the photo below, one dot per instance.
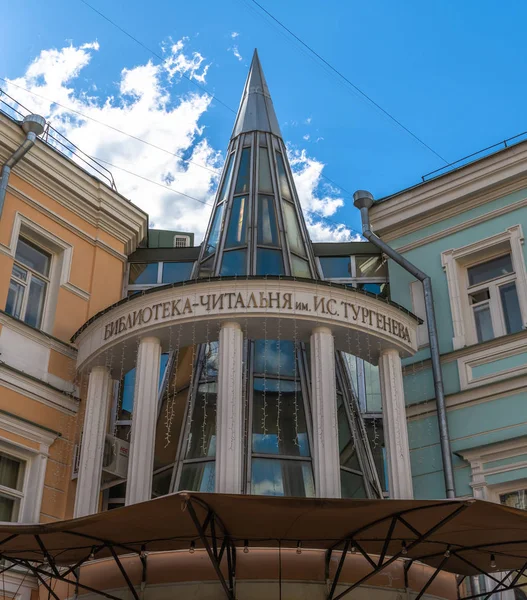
(193, 312)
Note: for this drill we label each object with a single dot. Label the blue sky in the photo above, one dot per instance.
(452, 72)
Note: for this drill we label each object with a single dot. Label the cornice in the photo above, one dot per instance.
(451, 194)
(67, 183)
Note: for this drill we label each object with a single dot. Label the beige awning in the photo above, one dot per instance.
(469, 531)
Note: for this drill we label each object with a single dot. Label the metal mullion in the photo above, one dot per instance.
(304, 378)
(193, 461)
(306, 459)
(278, 208)
(249, 378)
(348, 470)
(251, 204)
(228, 208)
(275, 377)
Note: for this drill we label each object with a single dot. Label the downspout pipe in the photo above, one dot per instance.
(33, 126)
(363, 200)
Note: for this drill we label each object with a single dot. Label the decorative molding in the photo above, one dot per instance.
(453, 193)
(29, 431)
(39, 391)
(38, 336)
(455, 262)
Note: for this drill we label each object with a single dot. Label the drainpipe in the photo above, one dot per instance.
(33, 126)
(363, 201)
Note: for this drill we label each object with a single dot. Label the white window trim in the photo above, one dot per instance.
(477, 457)
(455, 262)
(60, 268)
(36, 462)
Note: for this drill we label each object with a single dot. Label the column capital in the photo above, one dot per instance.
(150, 339)
(322, 329)
(231, 325)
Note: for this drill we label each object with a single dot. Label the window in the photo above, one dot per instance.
(181, 241)
(143, 276)
(236, 230)
(12, 472)
(516, 499)
(487, 285)
(364, 272)
(493, 298)
(29, 283)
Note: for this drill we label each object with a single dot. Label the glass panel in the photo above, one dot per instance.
(128, 388)
(198, 477)
(161, 483)
(282, 178)
(15, 298)
(242, 183)
(143, 273)
(7, 506)
(300, 267)
(33, 257)
(370, 266)
(375, 434)
(19, 272)
(214, 235)
(516, 499)
(226, 182)
(206, 267)
(267, 229)
(234, 263)
(352, 485)
(511, 308)
(373, 388)
(264, 172)
(347, 449)
(373, 288)
(202, 438)
(174, 271)
(10, 472)
(480, 296)
(335, 266)
(210, 360)
(273, 356)
(296, 242)
(238, 220)
(35, 302)
(269, 262)
(272, 477)
(279, 422)
(490, 269)
(483, 323)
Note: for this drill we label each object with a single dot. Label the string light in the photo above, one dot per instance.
(492, 561)
(92, 554)
(353, 549)
(246, 547)
(447, 554)
(404, 549)
(299, 547)
(192, 547)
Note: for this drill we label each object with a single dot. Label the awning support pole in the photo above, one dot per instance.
(432, 577)
(124, 573)
(339, 569)
(229, 593)
(48, 556)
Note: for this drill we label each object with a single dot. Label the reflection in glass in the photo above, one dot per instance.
(483, 323)
(174, 271)
(210, 361)
(272, 477)
(347, 448)
(296, 243)
(15, 298)
(161, 483)
(126, 404)
(215, 230)
(373, 288)
(511, 308)
(273, 357)
(279, 422)
(371, 266)
(373, 388)
(205, 269)
(234, 263)
(497, 267)
(238, 218)
(35, 302)
(7, 509)
(265, 184)
(202, 438)
(300, 267)
(269, 262)
(243, 181)
(267, 229)
(227, 181)
(11, 472)
(352, 485)
(282, 177)
(198, 477)
(334, 267)
(143, 273)
(375, 434)
(33, 257)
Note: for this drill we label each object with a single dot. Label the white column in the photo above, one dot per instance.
(229, 412)
(326, 459)
(395, 425)
(92, 446)
(144, 419)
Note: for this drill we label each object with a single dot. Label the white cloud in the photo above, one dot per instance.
(235, 51)
(308, 120)
(234, 34)
(306, 137)
(319, 200)
(147, 105)
(143, 108)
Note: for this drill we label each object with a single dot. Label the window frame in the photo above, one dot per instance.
(32, 273)
(456, 262)
(354, 279)
(139, 287)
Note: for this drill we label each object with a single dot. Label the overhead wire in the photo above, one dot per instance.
(348, 81)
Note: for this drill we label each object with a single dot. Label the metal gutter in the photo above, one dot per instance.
(363, 200)
(33, 126)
